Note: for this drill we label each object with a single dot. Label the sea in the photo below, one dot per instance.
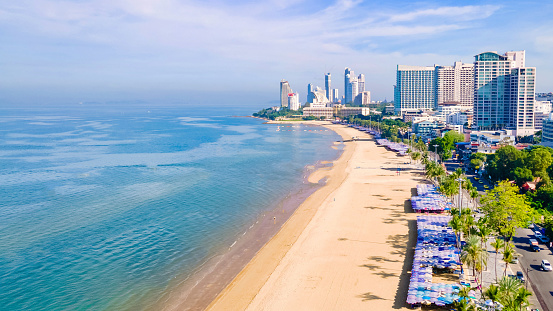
(106, 207)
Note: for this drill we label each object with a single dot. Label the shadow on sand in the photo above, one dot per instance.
(410, 240)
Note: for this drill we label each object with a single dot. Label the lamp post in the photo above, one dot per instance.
(436, 153)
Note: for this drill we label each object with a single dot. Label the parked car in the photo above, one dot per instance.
(520, 276)
(515, 260)
(531, 226)
(543, 239)
(545, 265)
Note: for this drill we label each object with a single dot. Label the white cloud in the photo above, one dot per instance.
(462, 13)
(189, 42)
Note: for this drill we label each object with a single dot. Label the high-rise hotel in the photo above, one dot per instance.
(425, 87)
(504, 92)
(285, 89)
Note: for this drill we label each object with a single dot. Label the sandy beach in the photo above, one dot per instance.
(347, 247)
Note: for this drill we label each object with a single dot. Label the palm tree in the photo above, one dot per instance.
(473, 255)
(497, 244)
(473, 193)
(456, 223)
(492, 292)
(508, 255)
(521, 297)
(512, 295)
(483, 233)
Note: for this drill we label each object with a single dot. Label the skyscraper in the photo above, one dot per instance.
(455, 84)
(328, 90)
(285, 89)
(360, 84)
(335, 97)
(414, 89)
(310, 93)
(348, 75)
(504, 92)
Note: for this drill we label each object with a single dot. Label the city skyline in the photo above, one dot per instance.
(170, 51)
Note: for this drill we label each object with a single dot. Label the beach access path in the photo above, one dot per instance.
(347, 247)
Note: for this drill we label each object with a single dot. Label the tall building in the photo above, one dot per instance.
(348, 76)
(293, 101)
(285, 89)
(335, 96)
(309, 93)
(328, 90)
(455, 84)
(415, 88)
(363, 98)
(504, 93)
(360, 84)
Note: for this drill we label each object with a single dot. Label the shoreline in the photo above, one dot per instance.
(208, 280)
(347, 247)
(245, 286)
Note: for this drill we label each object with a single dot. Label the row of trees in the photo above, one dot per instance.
(504, 209)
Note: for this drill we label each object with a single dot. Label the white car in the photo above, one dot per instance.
(537, 234)
(545, 265)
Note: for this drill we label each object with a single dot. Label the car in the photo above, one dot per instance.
(537, 234)
(543, 239)
(545, 265)
(515, 260)
(536, 248)
(480, 181)
(476, 178)
(520, 276)
(486, 187)
(531, 225)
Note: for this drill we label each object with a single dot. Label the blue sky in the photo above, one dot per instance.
(236, 52)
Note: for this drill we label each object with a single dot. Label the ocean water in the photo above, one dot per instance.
(103, 208)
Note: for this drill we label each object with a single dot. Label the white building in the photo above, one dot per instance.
(336, 111)
(455, 84)
(414, 89)
(363, 98)
(335, 96)
(294, 101)
(285, 89)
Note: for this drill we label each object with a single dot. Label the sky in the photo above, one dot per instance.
(216, 52)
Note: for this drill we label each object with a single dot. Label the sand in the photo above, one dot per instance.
(347, 247)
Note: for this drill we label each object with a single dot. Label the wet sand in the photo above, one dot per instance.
(198, 290)
(347, 247)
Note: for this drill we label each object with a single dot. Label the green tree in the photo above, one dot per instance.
(508, 255)
(538, 161)
(503, 162)
(473, 255)
(505, 209)
(492, 293)
(522, 175)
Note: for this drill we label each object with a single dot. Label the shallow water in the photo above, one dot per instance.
(102, 208)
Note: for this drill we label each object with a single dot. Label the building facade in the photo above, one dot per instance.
(414, 89)
(504, 92)
(294, 101)
(328, 89)
(547, 131)
(455, 84)
(285, 89)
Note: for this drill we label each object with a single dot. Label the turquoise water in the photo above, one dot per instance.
(101, 208)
